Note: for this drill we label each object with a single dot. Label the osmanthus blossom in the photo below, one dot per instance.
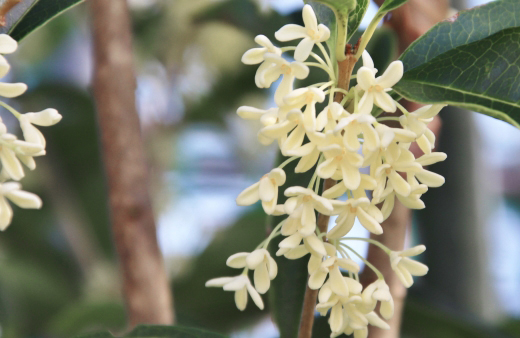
(261, 262)
(289, 72)
(370, 161)
(14, 152)
(265, 190)
(338, 158)
(368, 215)
(378, 291)
(308, 96)
(310, 34)
(241, 285)
(376, 88)
(405, 267)
(417, 122)
(257, 55)
(12, 191)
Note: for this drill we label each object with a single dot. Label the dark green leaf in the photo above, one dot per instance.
(464, 28)
(37, 15)
(288, 288)
(347, 13)
(83, 316)
(390, 5)
(16, 14)
(356, 16)
(148, 331)
(244, 15)
(171, 332)
(482, 76)
(213, 308)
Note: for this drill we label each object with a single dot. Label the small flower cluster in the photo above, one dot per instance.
(371, 163)
(15, 152)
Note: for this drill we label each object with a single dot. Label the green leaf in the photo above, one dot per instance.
(482, 76)
(466, 27)
(343, 18)
(390, 5)
(16, 14)
(171, 332)
(37, 14)
(470, 61)
(145, 331)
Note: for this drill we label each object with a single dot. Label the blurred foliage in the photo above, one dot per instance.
(58, 275)
(211, 308)
(159, 331)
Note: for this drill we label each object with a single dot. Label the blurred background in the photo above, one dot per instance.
(58, 270)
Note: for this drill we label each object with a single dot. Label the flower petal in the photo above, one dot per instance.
(392, 75)
(249, 196)
(290, 32)
(12, 89)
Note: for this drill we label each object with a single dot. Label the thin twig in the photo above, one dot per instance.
(309, 302)
(145, 285)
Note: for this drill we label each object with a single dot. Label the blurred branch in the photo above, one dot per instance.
(409, 21)
(145, 285)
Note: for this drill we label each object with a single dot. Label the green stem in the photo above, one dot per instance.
(11, 109)
(403, 109)
(319, 65)
(367, 35)
(286, 162)
(367, 263)
(273, 234)
(371, 241)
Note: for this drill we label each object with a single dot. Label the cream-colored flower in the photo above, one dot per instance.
(355, 125)
(312, 33)
(378, 291)
(302, 202)
(257, 55)
(265, 190)
(261, 262)
(12, 191)
(338, 158)
(405, 267)
(8, 45)
(242, 286)
(309, 97)
(45, 118)
(376, 88)
(328, 118)
(368, 214)
(289, 72)
(319, 270)
(397, 159)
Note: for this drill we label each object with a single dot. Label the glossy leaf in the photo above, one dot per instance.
(466, 27)
(482, 76)
(390, 5)
(343, 18)
(36, 15)
(15, 14)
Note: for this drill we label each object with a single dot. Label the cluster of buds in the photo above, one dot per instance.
(15, 153)
(344, 141)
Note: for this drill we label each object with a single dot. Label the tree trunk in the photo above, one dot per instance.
(145, 285)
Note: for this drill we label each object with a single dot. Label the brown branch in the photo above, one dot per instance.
(145, 285)
(6, 7)
(409, 21)
(309, 302)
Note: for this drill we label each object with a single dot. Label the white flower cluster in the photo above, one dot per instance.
(370, 161)
(15, 152)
